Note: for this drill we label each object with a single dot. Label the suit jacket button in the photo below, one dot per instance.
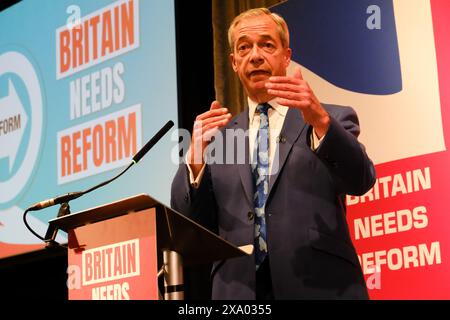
(250, 215)
(186, 198)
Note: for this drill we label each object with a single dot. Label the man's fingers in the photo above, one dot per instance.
(206, 132)
(287, 87)
(211, 129)
(289, 94)
(219, 123)
(286, 95)
(205, 126)
(207, 121)
(212, 113)
(285, 79)
(296, 78)
(295, 103)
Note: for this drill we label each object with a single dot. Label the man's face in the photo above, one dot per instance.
(258, 54)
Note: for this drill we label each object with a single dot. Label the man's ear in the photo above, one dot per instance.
(233, 62)
(287, 57)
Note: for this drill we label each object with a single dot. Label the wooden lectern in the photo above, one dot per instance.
(114, 250)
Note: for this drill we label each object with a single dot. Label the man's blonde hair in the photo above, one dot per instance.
(283, 30)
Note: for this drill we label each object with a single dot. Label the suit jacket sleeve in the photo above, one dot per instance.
(346, 158)
(197, 204)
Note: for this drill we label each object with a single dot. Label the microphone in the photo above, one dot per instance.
(56, 200)
(64, 199)
(73, 195)
(153, 141)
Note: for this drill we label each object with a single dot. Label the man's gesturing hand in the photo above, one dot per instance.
(295, 92)
(205, 126)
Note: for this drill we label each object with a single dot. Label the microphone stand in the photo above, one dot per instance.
(51, 233)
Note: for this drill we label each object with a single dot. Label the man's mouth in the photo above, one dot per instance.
(257, 73)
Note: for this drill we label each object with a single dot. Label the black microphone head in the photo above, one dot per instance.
(138, 156)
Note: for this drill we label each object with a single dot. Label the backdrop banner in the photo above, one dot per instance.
(83, 86)
(390, 61)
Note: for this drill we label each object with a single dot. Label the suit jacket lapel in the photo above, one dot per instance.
(245, 170)
(292, 128)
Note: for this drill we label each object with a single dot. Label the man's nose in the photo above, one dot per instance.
(256, 55)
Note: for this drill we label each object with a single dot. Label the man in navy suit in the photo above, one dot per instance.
(288, 197)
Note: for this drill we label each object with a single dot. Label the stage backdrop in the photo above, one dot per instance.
(83, 85)
(390, 60)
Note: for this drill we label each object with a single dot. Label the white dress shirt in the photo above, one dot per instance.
(277, 114)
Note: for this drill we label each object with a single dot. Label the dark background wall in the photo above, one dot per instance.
(42, 274)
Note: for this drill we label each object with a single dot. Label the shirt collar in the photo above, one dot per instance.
(280, 109)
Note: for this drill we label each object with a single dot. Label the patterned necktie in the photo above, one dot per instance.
(261, 179)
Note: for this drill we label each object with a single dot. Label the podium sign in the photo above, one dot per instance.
(114, 250)
(115, 259)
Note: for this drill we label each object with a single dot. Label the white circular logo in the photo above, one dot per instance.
(14, 120)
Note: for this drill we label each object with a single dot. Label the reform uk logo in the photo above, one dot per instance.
(21, 121)
(379, 57)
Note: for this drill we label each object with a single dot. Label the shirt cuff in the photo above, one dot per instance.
(195, 182)
(315, 141)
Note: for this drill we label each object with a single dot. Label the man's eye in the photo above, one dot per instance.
(243, 47)
(268, 47)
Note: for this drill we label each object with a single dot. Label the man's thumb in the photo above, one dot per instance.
(298, 73)
(215, 105)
